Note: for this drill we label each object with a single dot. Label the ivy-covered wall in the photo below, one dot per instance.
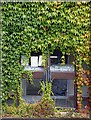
(42, 26)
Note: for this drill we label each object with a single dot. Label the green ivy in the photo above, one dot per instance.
(28, 75)
(42, 26)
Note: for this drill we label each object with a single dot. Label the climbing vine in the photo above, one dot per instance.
(26, 74)
(43, 26)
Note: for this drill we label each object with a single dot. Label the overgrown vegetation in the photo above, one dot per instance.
(45, 107)
(42, 108)
(28, 75)
(43, 26)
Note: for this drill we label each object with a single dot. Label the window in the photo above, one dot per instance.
(59, 87)
(85, 95)
(63, 93)
(33, 89)
(55, 58)
(36, 59)
(24, 60)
